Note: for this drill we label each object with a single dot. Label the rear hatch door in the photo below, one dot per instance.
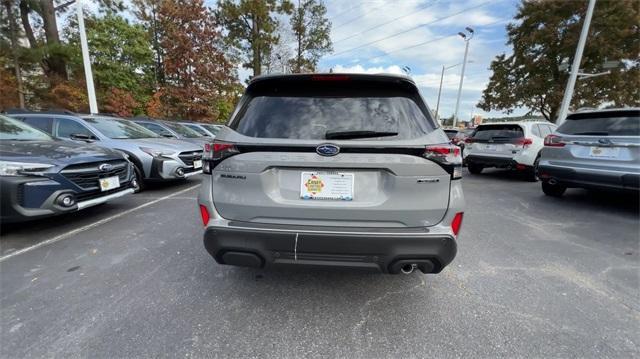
(332, 155)
(497, 140)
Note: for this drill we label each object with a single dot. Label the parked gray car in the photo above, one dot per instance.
(593, 149)
(170, 129)
(155, 158)
(332, 170)
(205, 129)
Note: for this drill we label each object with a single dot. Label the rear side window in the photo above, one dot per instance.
(601, 126)
(312, 117)
(41, 123)
(498, 132)
(156, 128)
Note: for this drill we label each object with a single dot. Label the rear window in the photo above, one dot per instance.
(312, 117)
(498, 133)
(601, 126)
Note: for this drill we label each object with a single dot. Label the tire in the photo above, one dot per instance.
(139, 180)
(474, 168)
(532, 176)
(553, 190)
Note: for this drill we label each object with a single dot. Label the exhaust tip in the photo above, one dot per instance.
(407, 268)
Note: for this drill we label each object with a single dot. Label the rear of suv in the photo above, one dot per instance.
(596, 149)
(510, 145)
(332, 170)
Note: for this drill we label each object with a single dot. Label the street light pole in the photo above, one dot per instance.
(575, 67)
(439, 92)
(91, 91)
(464, 66)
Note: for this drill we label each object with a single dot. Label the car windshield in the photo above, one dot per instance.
(15, 130)
(182, 130)
(498, 132)
(119, 128)
(197, 129)
(601, 126)
(211, 128)
(315, 117)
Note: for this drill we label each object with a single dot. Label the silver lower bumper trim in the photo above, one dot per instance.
(99, 200)
(192, 173)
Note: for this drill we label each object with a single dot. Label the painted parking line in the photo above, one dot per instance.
(95, 224)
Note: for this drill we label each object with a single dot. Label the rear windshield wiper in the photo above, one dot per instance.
(593, 133)
(346, 135)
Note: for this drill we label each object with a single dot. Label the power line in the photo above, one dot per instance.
(411, 29)
(359, 16)
(432, 40)
(388, 22)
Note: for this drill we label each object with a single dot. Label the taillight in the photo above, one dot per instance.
(204, 213)
(469, 140)
(216, 152)
(447, 156)
(524, 142)
(553, 141)
(457, 223)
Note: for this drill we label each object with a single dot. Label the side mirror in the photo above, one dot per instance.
(82, 137)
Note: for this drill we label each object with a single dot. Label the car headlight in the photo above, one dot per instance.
(9, 168)
(156, 153)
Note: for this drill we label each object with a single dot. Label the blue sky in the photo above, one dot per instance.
(357, 23)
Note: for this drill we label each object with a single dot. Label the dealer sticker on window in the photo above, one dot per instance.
(326, 185)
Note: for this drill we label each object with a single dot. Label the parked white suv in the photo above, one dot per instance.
(510, 145)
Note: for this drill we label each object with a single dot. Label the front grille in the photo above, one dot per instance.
(85, 196)
(86, 175)
(189, 157)
(20, 195)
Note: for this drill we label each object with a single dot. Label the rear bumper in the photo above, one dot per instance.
(498, 162)
(585, 178)
(377, 249)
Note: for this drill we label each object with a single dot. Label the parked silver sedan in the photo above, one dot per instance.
(593, 149)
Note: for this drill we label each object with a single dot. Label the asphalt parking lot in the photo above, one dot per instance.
(534, 276)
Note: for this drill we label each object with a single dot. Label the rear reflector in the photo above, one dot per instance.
(457, 223)
(521, 167)
(204, 213)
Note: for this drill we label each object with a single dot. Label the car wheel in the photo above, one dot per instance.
(553, 190)
(139, 180)
(474, 168)
(533, 174)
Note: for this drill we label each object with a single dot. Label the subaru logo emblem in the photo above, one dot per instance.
(327, 150)
(105, 167)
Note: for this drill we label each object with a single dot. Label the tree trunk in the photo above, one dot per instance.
(255, 30)
(57, 65)
(24, 17)
(14, 50)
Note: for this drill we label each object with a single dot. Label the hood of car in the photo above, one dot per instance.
(55, 152)
(166, 144)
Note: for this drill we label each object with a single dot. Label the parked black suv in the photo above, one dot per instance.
(41, 176)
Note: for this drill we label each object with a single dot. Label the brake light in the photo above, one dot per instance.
(204, 213)
(525, 142)
(216, 152)
(553, 141)
(469, 140)
(330, 78)
(457, 223)
(447, 156)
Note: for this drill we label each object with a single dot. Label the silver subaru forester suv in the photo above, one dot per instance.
(332, 170)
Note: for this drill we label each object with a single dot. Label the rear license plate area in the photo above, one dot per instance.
(326, 186)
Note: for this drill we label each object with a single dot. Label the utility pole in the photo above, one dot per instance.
(91, 91)
(466, 39)
(439, 92)
(575, 67)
